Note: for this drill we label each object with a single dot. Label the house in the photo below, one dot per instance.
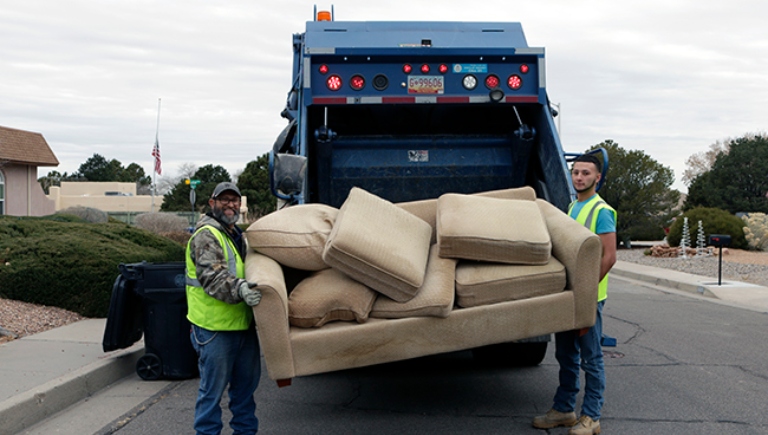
(21, 152)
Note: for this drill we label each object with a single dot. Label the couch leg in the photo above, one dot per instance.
(284, 383)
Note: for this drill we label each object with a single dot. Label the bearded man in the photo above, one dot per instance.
(219, 301)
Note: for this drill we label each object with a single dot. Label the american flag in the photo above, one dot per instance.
(156, 155)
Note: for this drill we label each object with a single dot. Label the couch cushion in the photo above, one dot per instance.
(490, 229)
(479, 283)
(426, 209)
(294, 236)
(434, 298)
(380, 245)
(326, 296)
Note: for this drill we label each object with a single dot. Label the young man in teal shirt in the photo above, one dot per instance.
(582, 348)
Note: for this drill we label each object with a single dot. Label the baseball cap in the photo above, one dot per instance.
(223, 187)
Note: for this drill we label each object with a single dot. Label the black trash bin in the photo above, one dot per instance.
(155, 293)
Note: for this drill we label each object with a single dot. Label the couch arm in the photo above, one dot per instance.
(271, 314)
(580, 251)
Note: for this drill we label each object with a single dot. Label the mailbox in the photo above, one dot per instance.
(720, 240)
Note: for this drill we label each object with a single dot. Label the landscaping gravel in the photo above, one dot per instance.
(744, 266)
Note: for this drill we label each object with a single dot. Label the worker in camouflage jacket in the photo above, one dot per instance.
(219, 303)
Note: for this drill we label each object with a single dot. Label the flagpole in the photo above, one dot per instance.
(154, 172)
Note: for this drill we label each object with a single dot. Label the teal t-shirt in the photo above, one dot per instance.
(606, 223)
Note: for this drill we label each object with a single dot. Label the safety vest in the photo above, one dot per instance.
(206, 311)
(588, 217)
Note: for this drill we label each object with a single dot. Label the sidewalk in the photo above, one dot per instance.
(46, 373)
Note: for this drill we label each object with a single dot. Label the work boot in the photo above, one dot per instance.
(585, 426)
(554, 418)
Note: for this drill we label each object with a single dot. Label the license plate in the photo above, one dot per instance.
(426, 84)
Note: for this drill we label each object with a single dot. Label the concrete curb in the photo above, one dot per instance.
(669, 278)
(24, 410)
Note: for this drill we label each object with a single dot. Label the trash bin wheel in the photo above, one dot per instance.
(149, 367)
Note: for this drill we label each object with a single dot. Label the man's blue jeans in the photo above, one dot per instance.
(569, 349)
(226, 357)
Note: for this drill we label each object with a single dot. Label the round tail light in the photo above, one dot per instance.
(514, 82)
(380, 82)
(357, 82)
(333, 82)
(492, 81)
(469, 82)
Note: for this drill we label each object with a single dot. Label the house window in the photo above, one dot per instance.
(2, 193)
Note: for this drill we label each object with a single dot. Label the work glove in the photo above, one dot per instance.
(251, 296)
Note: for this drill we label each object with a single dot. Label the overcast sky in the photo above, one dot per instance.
(666, 77)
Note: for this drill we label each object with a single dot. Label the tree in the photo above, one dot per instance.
(638, 188)
(254, 183)
(738, 180)
(702, 161)
(177, 199)
(54, 178)
(97, 168)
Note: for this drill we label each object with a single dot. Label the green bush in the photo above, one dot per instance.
(714, 221)
(60, 261)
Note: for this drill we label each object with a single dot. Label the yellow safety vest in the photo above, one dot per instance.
(588, 217)
(206, 311)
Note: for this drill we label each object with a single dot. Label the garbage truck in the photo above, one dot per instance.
(409, 111)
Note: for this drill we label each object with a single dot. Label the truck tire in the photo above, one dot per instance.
(511, 354)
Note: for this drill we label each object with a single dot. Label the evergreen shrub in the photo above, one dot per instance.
(65, 262)
(714, 221)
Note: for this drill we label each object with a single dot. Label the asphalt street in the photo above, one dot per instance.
(683, 365)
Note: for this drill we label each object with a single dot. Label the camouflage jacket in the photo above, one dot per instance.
(210, 265)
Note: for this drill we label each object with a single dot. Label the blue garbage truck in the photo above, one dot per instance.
(413, 110)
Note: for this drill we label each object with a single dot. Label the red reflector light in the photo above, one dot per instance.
(425, 68)
(357, 82)
(514, 82)
(443, 68)
(333, 82)
(407, 68)
(524, 68)
(323, 69)
(492, 81)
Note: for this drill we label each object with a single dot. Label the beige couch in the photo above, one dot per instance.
(291, 351)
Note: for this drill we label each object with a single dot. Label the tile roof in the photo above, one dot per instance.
(19, 146)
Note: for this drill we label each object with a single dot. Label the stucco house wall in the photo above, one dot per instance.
(106, 196)
(21, 153)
